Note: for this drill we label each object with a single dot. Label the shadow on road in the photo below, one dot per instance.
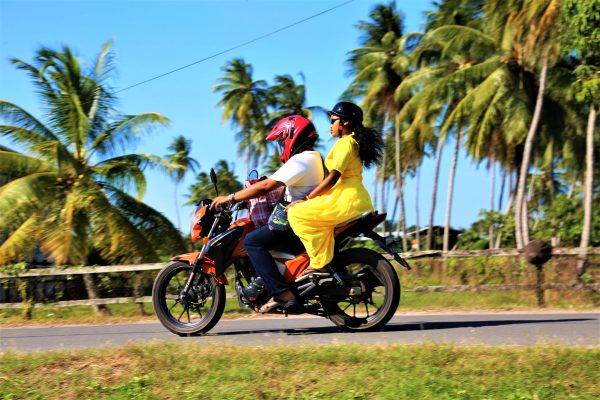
(399, 326)
(428, 326)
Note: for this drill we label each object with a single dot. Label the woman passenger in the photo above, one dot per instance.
(341, 195)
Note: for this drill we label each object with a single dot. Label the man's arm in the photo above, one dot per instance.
(260, 188)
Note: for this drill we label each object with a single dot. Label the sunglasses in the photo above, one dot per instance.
(333, 120)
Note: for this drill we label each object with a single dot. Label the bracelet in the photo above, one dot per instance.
(231, 198)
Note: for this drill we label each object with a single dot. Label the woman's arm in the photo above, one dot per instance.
(326, 184)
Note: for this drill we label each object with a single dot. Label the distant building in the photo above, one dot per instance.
(438, 238)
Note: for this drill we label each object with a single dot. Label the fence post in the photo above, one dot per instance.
(538, 252)
(137, 290)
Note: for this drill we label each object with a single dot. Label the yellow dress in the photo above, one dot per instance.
(314, 220)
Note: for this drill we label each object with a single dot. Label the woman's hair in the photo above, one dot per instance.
(370, 144)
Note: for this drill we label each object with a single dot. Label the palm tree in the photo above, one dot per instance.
(454, 12)
(493, 81)
(424, 109)
(244, 103)
(289, 98)
(580, 18)
(383, 20)
(378, 69)
(204, 189)
(65, 194)
(180, 163)
(534, 27)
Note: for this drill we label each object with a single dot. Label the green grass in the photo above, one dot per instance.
(410, 301)
(498, 300)
(175, 370)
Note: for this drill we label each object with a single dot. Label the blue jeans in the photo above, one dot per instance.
(257, 245)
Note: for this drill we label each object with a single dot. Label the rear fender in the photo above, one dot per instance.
(208, 265)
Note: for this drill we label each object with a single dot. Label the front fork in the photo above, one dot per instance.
(197, 265)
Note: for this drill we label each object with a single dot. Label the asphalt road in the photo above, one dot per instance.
(573, 329)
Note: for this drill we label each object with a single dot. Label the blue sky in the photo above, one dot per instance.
(154, 37)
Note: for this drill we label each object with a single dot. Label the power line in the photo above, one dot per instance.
(238, 46)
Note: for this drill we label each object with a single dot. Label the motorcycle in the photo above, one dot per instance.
(358, 291)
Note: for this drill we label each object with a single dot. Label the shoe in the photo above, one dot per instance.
(276, 302)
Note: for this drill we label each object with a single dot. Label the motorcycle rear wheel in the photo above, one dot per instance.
(198, 312)
(380, 287)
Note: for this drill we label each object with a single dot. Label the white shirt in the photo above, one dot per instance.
(300, 174)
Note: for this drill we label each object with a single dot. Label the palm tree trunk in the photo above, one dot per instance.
(492, 199)
(521, 222)
(450, 192)
(402, 218)
(502, 185)
(436, 174)
(393, 217)
(511, 194)
(177, 207)
(587, 194)
(92, 292)
(383, 162)
(525, 221)
(400, 186)
(375, 187)
(417, 227)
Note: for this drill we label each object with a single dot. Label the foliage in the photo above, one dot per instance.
(179, 160)
(254, 107)
(562, 219)
(244, 103)
(69, 192)
(582, 37)
(179, 164)
(227, 182)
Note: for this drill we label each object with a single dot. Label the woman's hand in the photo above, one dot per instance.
(292, 204)
(218, 201)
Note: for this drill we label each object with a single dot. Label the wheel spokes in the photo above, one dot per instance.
(201, 293)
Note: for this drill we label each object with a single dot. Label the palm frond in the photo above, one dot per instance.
(125, 132)
(65, 231)
(15, 165)
(156, 229)
(36, 189)
(21, 243)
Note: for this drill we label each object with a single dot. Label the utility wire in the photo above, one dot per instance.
(238, 46)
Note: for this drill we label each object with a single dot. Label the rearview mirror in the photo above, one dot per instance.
(253, 175)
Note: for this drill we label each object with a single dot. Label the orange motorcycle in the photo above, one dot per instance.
(358, 291)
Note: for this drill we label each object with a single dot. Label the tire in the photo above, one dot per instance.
(371, 272)
(203, 307)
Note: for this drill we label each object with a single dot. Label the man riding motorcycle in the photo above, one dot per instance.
(301, 172)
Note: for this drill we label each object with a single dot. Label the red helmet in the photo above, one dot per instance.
(291, 134)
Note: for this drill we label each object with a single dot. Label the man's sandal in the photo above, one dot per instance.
(275, 303)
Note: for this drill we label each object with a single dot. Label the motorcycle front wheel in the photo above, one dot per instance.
(193, 314)
(373, 291)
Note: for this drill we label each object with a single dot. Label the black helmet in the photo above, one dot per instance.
(348, 111)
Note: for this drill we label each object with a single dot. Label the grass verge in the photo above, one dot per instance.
(455, 302)
(176, 370)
